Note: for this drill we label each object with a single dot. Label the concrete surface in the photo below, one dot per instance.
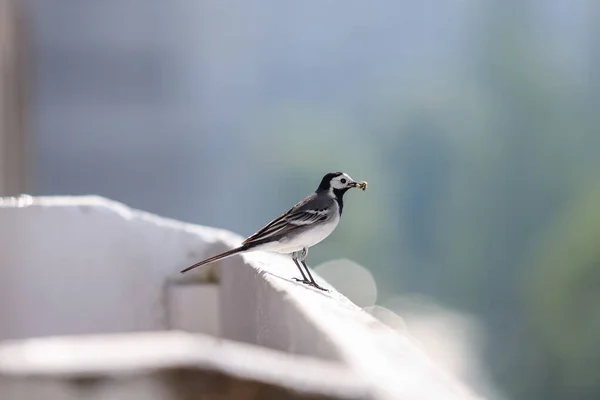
(89, 265)
(165, 366)
(77, 265)
(280, 314)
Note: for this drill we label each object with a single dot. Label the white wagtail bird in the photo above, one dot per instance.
(302, 226)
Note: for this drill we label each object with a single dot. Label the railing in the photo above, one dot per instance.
(79, 266)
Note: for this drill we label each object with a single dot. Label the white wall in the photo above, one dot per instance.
(89, 265)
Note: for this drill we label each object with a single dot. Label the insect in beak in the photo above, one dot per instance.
(362, 185)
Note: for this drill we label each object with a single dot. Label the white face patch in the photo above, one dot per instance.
(341, 182)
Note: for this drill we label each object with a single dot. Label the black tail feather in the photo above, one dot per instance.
(226, 254)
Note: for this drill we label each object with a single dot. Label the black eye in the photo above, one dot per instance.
(343, 180)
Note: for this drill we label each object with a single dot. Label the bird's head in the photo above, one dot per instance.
(339, 182)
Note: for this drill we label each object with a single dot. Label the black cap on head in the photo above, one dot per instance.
(326, 181)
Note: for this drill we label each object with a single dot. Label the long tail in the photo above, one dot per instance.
(226, 254)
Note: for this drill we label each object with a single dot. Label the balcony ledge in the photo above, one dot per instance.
(87, 265)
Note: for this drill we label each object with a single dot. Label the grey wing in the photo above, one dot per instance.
(307, 212)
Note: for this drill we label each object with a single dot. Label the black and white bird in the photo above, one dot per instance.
(302, 226)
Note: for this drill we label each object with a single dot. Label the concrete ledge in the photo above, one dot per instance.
(81, 265)
(280, 314)
(89, 265)
(166, 366)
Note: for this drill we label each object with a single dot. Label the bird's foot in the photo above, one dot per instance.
(303, 280)
(313, 284)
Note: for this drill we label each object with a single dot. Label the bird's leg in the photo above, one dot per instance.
(303, 280)
(303, 255)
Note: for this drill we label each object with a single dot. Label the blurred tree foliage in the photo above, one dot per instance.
(564, 312)
(466, 180)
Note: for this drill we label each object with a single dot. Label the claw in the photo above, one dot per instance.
(319, 287)
(305, 281)
(309, 283)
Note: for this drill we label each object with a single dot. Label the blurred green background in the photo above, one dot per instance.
(476, 124)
